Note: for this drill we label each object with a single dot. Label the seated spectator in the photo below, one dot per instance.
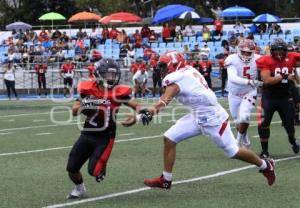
(189, 31)
(196, 52)
(145, 31)
(122, 37)
(179, 36)
(172, 27)
(250, 36)
(218, 25)
(275, 29)
(187, 53)
(253, 29)
(79, 34)
(205, 50)
(166, 33)
(56, 34)
(95, 55)
(152, 37)
(239, 28)
(43, 36)
(94, 36)
(129, 56)
(113, 33)
(205, 33)
(64, 37)
(148, 53)
(104, 35)
(137, 39)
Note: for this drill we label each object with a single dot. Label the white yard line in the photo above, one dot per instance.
(5, 133)
(127, 134)
(42, 134)
(38, 120)
(67, 147)
(133, 191)
(31, 114)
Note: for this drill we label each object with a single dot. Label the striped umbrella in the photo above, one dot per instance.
(189, 15)
(266, 18)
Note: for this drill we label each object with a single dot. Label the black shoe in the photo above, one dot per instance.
(264, 154)
(101, 176)
(296, 148)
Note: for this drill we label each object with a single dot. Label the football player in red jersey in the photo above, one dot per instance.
(156, 78)
(277, 72)
(41, 70)
(67, 72)
(205, 68)
(223, 74)
(99, 101)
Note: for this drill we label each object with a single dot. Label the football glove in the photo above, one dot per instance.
(255, 83)
(145, 116)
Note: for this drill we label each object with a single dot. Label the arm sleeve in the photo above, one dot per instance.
(234, 78)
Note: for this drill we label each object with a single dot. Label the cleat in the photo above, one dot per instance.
(269, 172)
(296, 148)
(158, 182)
(264, 155)
(101, 176)
(78, 192)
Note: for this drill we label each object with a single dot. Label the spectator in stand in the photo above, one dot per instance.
(137, 39)
(56, 35)
(122, 37)
(129, 56)
(67, 72)
(187, 53)
(105, 34)
(196, 52)
(233, 41)
(43, 36)
(205, 50)
(275, 29)
(33, 37)
(41, 70)
(94, 36)
(267, 49)
(12, 56)
(166, 33)
(223, 73)
(172, 27)
(257, 49)
(218, 25)
(239, 28)
(60, 55)
(95, 55)
(253, 29)
(205, 33)
(64, 37)
(179, 36)
(189, 31)
(46, 55)
(240, 37)
(113, 33)
(49, 33)
(79, 34)
(262, 28)
(145, 31)
(250, 36)
(9, 79)
(152, 37)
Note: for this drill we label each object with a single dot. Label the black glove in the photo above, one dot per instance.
(145, 116)
(284, 76)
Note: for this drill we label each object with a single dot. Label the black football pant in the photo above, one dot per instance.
(95, 148)
(286, 110)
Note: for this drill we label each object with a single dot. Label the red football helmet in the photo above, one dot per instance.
(246, 49)
(171, 61)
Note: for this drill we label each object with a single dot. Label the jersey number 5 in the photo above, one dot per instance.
(201, 79)
(246, 72)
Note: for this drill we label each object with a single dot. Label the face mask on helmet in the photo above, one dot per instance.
(279, 49)
(171, 61)
(107, 73)
(246, 50)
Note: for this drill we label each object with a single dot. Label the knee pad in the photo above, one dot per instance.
(264, 132)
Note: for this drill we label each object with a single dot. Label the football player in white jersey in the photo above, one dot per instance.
(242, 87)
(206, 116)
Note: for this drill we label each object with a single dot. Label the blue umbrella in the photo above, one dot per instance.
(266, 18)
(170, 12)
(237, 11)
(18, 26)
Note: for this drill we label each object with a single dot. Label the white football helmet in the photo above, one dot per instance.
(246, 49)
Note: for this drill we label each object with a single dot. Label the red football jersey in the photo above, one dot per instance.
(41, 69)
(277, 68)
(109, 100)
(67, 67)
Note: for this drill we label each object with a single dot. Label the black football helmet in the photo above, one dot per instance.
(107, 73)
(279, 49)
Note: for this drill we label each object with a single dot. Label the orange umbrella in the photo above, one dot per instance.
(84, 16)
(120, 17)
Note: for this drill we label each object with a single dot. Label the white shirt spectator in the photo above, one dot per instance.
(188, 31)
(205, 50)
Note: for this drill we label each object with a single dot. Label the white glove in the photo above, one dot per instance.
(255, 83)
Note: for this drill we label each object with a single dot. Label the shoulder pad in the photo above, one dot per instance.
(172, 78)
(122, 90)
(85, 87)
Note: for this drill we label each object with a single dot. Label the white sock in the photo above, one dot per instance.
(263, 165)
(80, 186)
(167, 176)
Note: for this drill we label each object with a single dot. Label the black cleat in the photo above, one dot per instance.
(296, 148)
(264, 154)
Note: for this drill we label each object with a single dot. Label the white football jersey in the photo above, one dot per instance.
(196, 95)
(239, 73)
